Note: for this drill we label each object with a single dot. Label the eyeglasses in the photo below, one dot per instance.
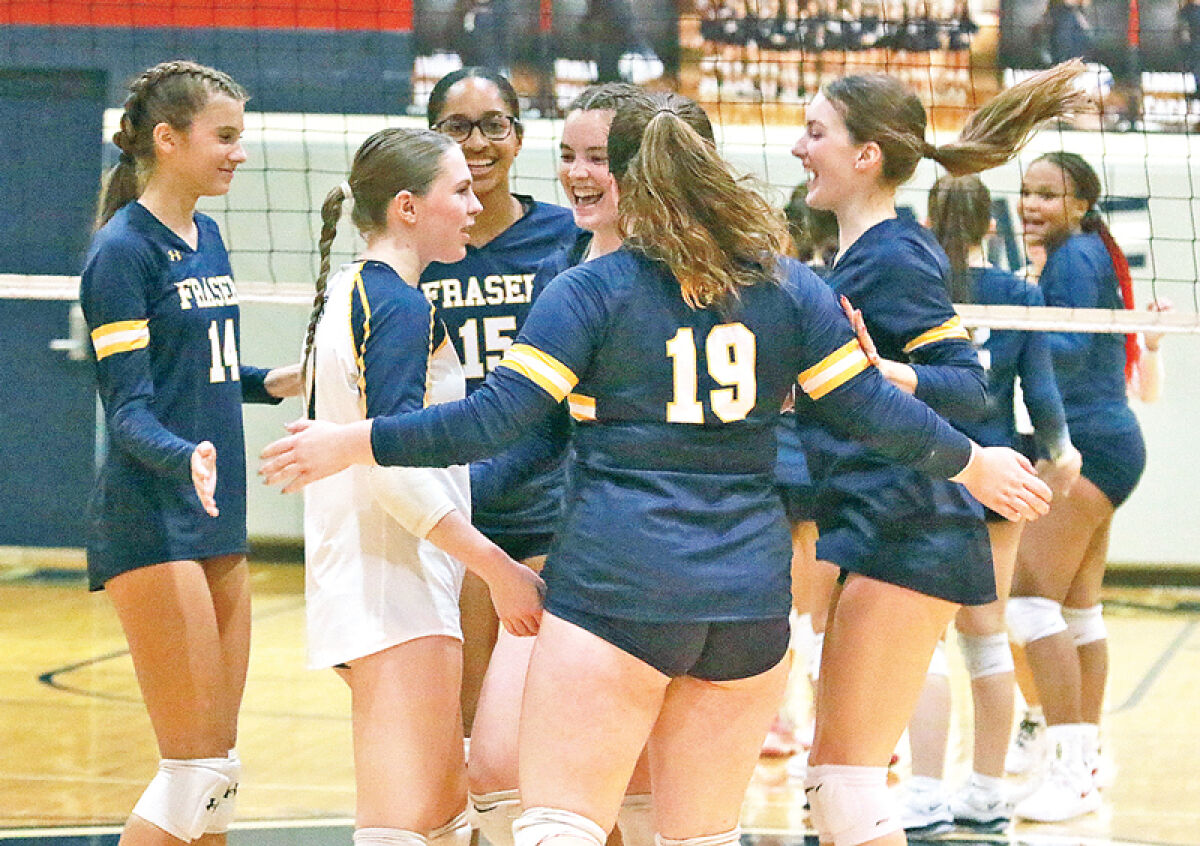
(494, 127)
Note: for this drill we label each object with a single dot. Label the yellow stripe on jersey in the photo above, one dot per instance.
(582, 406)
(834, 370)
(119, 337)
(951, 329)
(544, 370)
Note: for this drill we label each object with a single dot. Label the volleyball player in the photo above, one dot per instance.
(483, 299)
(592, 193)
(1055, 611)
(668, 598)
(960, 217)
(814, 236)
(912, 547)
(167, 537)
(382, 585)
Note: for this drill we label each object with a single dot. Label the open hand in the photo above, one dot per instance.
(204, 476)
(314, 450)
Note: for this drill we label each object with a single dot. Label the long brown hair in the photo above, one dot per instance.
(1086, 184)
(682, 204)
(172, 93)
(960, 213)
(878, 108)
(390, 161)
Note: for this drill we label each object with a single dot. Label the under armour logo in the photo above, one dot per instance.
(174, 255)
(212, 804)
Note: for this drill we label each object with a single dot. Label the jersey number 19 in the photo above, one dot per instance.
(730, 350)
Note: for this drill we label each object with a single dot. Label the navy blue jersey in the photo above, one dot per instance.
(165, 335)
(895, 274)
(483, 300)
(876, 516)
(1090, 366)
(672, 513)
(1008, 356)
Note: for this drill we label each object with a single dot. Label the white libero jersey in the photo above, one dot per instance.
(371, 580)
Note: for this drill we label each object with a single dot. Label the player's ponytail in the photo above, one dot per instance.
(879, 108)
(331, 213)
(681, 203)
(960, 213)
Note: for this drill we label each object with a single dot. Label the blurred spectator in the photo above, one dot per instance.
(1065, 31)
(479, 34)
(1189, 38)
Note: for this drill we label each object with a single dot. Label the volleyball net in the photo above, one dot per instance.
(753, 64)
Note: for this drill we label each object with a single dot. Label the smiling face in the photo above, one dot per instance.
(490, 161)
(202, 159)
(829, 155)
(1049, 209)
(583, 169)
(446, 211)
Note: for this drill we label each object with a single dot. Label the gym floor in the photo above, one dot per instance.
(78, 750)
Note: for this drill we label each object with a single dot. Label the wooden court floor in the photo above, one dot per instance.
(77, 749)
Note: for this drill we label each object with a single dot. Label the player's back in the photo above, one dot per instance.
(674, 468)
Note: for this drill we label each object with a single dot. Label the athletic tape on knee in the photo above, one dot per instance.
(494, 814)
(939, 664)
(1032, 618)
(814, 655)
(635, 820)
(537, 825)
(457, 832)
(986, 655)
(725, 838)
(1086, 625)
(183, 795)
(850, 805)
(387, 837)
(222, 818)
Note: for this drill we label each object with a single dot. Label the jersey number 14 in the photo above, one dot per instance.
(224, 353)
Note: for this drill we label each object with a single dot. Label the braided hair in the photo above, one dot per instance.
(172, 93)
(390, 161)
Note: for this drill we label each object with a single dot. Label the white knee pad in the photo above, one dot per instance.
(222, 818)
(494, 814)
(725, 838)
(814, 656)
(1086, 625)
(636, 820)
(537, 825)
(1032, 618)
(801, 633)
(387, 837)
(850, 805)
(184, 795)
(986, 655)
(457, 832)
(939, 664)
